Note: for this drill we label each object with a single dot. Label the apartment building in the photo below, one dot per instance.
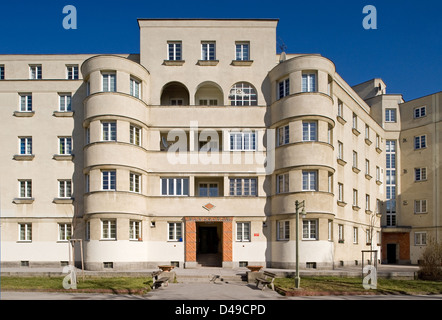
(191, 153)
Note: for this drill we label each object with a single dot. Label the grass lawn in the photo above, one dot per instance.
(354, 285)
(104, 284)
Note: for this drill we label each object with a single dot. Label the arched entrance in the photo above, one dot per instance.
(175, 94)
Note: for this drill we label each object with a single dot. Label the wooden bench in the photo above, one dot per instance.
(266, 279)
(157, 281)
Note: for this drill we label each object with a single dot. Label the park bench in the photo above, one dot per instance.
(266, 279)
(157, 281)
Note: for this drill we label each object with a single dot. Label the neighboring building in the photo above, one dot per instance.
(194, 151)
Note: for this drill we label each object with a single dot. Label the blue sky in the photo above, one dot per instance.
(405, 50)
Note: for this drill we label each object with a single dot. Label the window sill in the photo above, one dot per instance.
(378, 150)
(378, 182)
(242, 63)
(24, 113)
(23, 200)
(63, 200)
(356, 170)
(342, 162)
(368, 142)
(63, 114)
(368, 211)
(342, 203)
(24, 157)
(368, 177)
(356, 208)
(173, 62)
(355, 131)
(207, 62)
(63, 157)
(341, 120)
(340, 241)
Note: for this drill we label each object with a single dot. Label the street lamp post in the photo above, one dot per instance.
(298, 206)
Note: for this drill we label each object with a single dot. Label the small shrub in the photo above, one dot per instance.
(430, 267)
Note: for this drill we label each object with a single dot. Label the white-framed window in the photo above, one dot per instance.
(340, 192)
(25, 102)
(135, 87)
(420, 238)
(135, 135)
(64, 231)
(208, 102)
(340, 150)
(108, 229)
(420, 112)
(283, 88)
(175, 231)
(368, 237)
(355, 159)
(330, 183)
(390, 115)
(420, 142)
(25, 231)
(64, 102)
(25, 188)
(310, 229)
(109, 180)
(282, 183)
(72, 72)
(109, 131)
(367, 132)
(420, 206)
(378, 206)
(283, 135)
(208, 189)
(64, 188)
(355, 121)
(341, 233)
(340, 109)
(367, 167)
(244, 187)
(109, 81)
(283, 230)
(35, 72)
(25, 145)
(310, 180)
(308, 82)
(242, 51)
(330, 230)
(243, 141)
(378, 174)
(378, 141)
(420, 174)
(355, 197)
(134, 229)
(355, 235)
(309, 131)
(367, 202)
(174, 51)
(2, 72)
(208, 50)
(243, 94)
(64, 145)
(175, 186)
(243, 231)
(135, 182)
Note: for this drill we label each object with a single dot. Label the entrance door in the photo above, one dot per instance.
(391, 253)
(207, 240)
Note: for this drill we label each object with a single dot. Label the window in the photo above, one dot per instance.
(208, 102)
(64, 102)
(242, 51)
(65, 145)
(420, 112)
(135, 135)
(25, 232)
(134, 182)
(72, 72)
(283, 230)
(109, 130)
(355, 159)
(109, 82)
(367, 132)
(355, 235)
(368, 237)
(134, 230)
(282, 183)
(340, 109)
(175, 186)
(25, 145)
(174, 51)
(243, 94)
(176, 102)
(341, 233)
(243, 231)
(309, 181)
(206, 189)
(367, 202)
(35, 72)
(355, 198)
(26, 102)
(309, 82)
(367, 167)
(390, 115)
(378, 142)
(135, 87)
(340, 192)
(25, 188)
(420, 206)
(108, 229)
(87, 231)
(283, 135)
(109, 180)
(283, 88)
(378, 174)
(330, 230)
(243, 187)
(64, 231)
(309, 131)
(330, 183)
(242, 141)
(309, 229)
(175, 232)
(87, 135)
(87, 183)
(420, 174)
(420, 238)
(2, 72)
(340, 150)
(64, 188)
(420, 142)
(378, 206)
(208, 51)
(355, 121)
